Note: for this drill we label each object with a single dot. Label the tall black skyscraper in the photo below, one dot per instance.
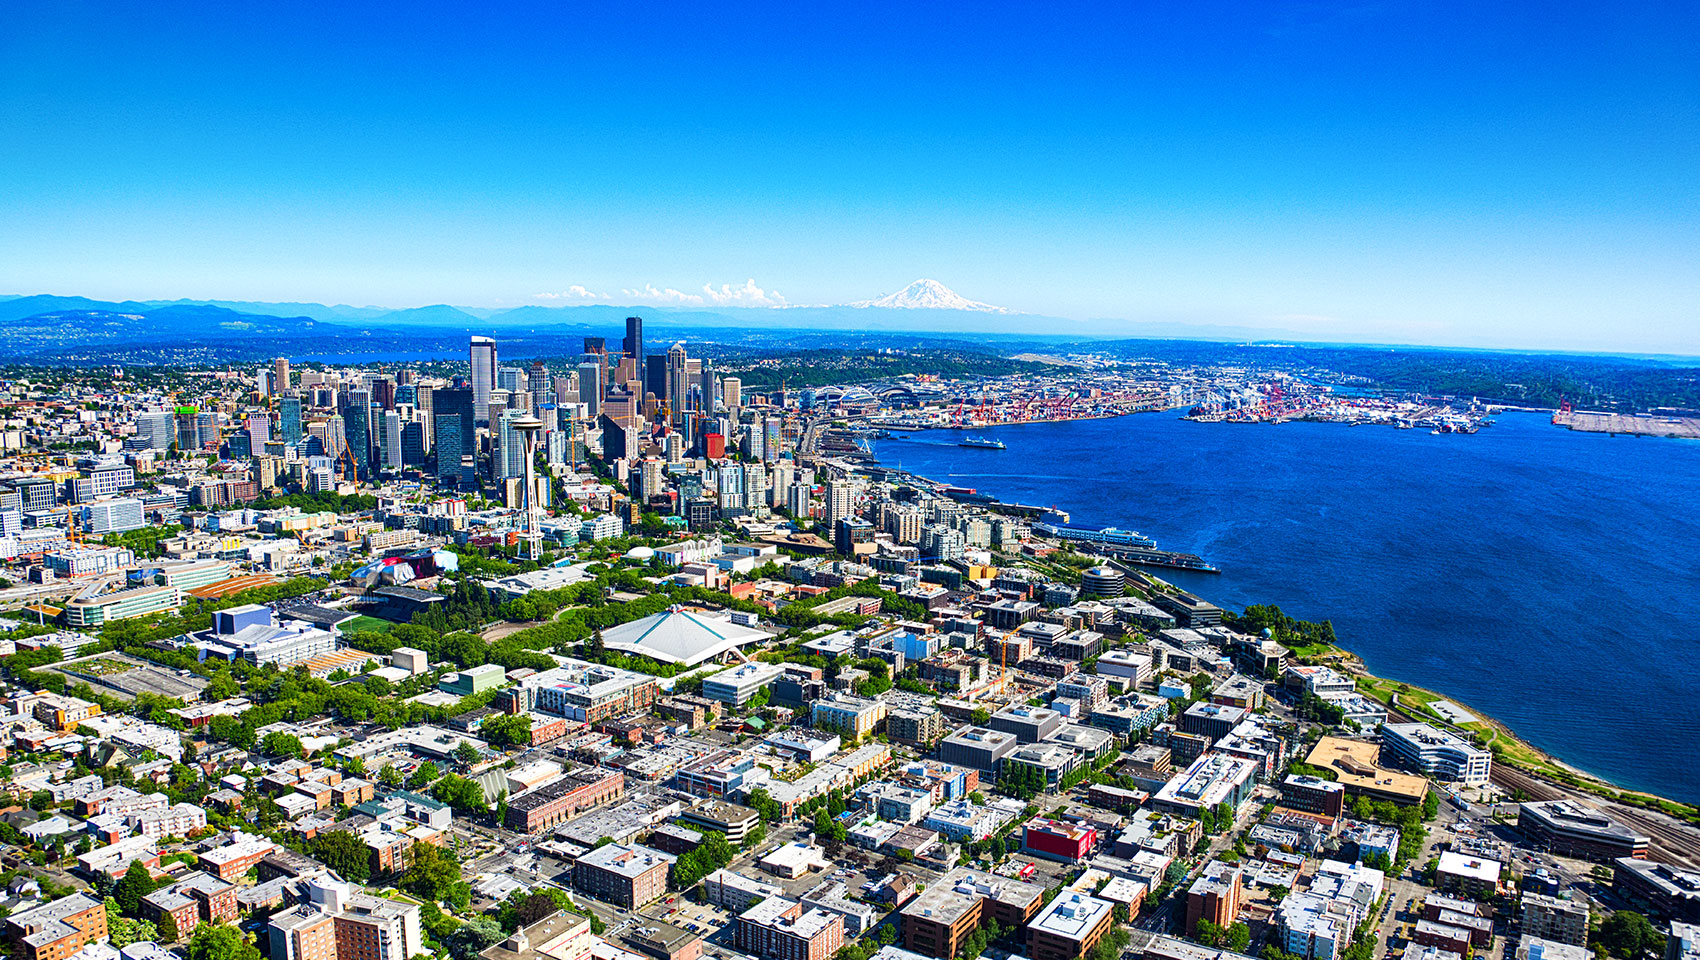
(456, 402)
(655, 375)
(634, 341)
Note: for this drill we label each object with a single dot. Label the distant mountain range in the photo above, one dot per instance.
(51, 328)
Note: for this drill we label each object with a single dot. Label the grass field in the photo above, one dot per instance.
(365, 624)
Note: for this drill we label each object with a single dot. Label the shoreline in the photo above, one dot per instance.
(1501, 739)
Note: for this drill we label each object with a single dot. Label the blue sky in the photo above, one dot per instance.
(1481, 174)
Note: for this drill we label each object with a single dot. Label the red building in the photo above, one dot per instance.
(561, 800)
(545, 728)
(714, 445)
(1056, 840)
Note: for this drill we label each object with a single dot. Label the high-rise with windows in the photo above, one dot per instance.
(729, 482)
(389, 440)
(357, 422)
(537, 381)
(840, 499)
(508, 457)
(448, 448)
(655, 375)
(590, 387)
(678, 384)
(483, 377)
(634, 340)
(155, 427)
(413, 443)
(288, 416)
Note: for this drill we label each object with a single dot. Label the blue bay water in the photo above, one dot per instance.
(1550, 579)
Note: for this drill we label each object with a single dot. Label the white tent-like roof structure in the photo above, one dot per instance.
(676, 635)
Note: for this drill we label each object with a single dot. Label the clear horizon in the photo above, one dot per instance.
(1394, 173)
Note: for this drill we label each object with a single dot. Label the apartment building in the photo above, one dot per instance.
(850, 717)
(195, 899)
(783, 929)
(231, 860)
(627, 875)
(1550, 918)
(936, 922)
(56, 930)
(1069, 927)
(334, 923)
(1215, 896)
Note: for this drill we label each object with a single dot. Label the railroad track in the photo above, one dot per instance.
(1668, 840)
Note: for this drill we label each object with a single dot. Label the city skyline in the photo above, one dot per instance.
(1383, 174)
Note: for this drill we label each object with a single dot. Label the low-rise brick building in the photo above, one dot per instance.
(627, 875)
(561, 800)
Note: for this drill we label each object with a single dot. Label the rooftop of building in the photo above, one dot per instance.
(1578, 817)
(677, 635)
(1357, 765)
(772, 911)
(946, 901)
(1476, 868)
(1072, 916)
(627, 860)
(980, 737)
(1426, 736)
(722, 811)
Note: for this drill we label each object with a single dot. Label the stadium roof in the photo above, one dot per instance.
(677, 636)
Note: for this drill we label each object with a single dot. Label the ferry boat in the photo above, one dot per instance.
(981, 443)
(1166, 559)
(1108, 535)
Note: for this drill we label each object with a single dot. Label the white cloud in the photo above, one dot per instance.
(661, 295)
(573, 294)
(746, 294)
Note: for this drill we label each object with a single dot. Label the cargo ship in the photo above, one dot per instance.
(981, 443)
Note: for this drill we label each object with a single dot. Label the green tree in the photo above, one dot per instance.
(168, 927)
(217, 941)
(1239, 937)
(467, 754)
(507, 730)
(221, 687)
(424, 776)
(136, 883)
(282, 745)
(389, 776)
(1630, 935)
(123, 931)
(435, 875)
(466, 796)
(345, 853)
(474, 937)
(762, 802)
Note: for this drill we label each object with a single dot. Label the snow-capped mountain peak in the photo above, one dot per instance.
(929, 295)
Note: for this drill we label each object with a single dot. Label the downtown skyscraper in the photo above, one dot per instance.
(483, 357)
(634, 342)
